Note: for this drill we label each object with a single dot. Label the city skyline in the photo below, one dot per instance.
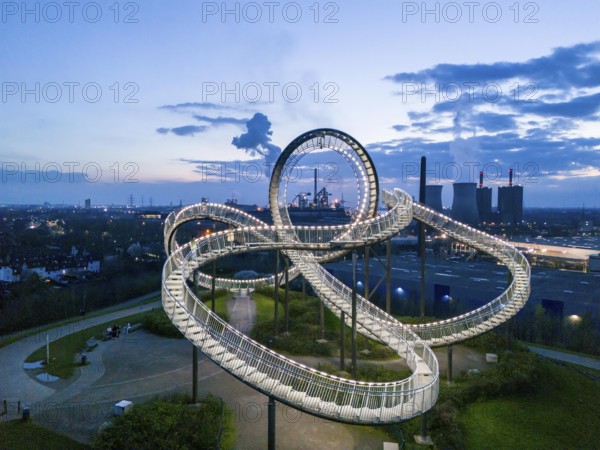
(189, 102)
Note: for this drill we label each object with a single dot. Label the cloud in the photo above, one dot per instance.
(220, 120)
(566, 67)
(400, 127)
(561, 84)
(579, 107)
(208, 121)
(187, 106)
(187, 130)
(257, 139)
(530, 117)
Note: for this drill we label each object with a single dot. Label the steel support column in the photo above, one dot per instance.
(271, 430)
(276, 296)
(354, 258)
(450, 364)
(388, 277)
(194, 374)
(366, 270)
(287, 296)
(342, 335)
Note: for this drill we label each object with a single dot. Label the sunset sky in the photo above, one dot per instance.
(174, 101)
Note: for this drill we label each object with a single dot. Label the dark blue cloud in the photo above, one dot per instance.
(565, 67)
(535, 148)
(423, 125)
(531, 122)
(400, 127)
(414, 115)
(220, 120)
(579, 107)
(257, 139)
(187, 130)
(490, 121)
(185, 107)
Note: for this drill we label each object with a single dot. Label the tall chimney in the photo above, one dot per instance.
(481, 179)
(510, 177)
(315, 191)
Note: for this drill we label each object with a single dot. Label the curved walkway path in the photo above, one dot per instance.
(141, 366)
(17, 385)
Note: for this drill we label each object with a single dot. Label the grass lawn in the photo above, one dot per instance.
(304, 328)
(264, 308)
(101, 312)
(220, 305)
(18, 435)
(63, 350)
(564, 412)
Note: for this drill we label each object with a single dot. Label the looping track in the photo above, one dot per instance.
(302, 387)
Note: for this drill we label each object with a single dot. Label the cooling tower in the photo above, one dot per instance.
(433, 196)
(464, 204)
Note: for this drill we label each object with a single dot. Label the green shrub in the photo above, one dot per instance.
(380, 373)
(207, 295)
(157, 322)
(169, 423)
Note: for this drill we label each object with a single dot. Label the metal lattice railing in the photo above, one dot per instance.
(303, 387)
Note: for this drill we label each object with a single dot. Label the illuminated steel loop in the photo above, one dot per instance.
(290, 382)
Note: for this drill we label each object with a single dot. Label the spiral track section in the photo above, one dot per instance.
(288, 381)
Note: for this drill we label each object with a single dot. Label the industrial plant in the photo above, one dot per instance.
(472, 203)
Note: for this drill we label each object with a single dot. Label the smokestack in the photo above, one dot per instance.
(510, 177)
(433, 197)
(422, 179)
(464, 203)
(315, 191)
(481, 179)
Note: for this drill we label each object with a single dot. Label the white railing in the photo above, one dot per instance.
(301, 386)
(496, 311)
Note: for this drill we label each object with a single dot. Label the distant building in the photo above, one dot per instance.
(464, 203)
(88, 203)
(433, 197)
(484, 204)
(93, 266)
(510, 204)
(594, 263)
(7, 275)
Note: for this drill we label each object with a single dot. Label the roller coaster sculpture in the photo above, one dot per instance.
(290, 382)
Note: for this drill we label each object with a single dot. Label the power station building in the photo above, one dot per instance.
(464, 203)
(472, 203)
(510, 202)
(484, 201)
(433, 197)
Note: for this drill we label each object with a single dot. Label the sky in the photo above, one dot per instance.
(163, 103)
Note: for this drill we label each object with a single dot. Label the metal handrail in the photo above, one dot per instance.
(303, 387)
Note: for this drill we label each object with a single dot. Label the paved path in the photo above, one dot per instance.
(141, 366)
(242, 311)
(592, 363)
(96, 313)
(17, 385)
